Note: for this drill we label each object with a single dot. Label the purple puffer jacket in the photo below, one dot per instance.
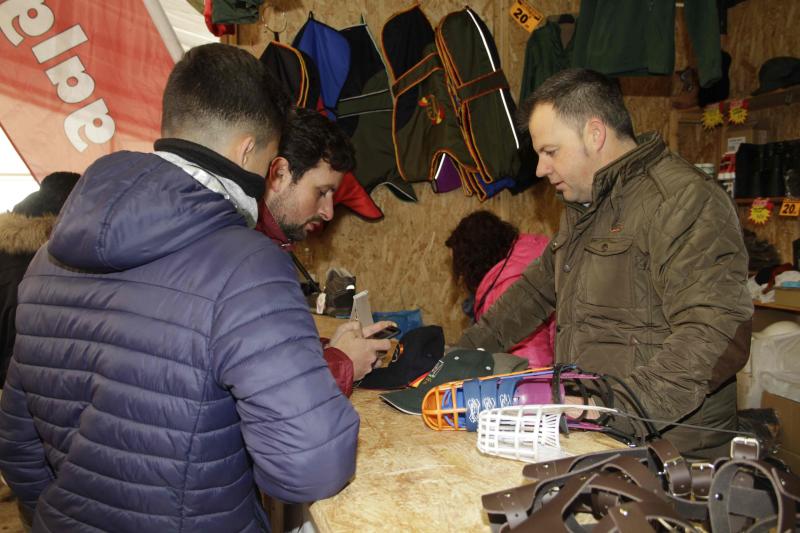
(165, 365)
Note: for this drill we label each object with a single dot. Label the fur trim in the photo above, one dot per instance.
(24, 235)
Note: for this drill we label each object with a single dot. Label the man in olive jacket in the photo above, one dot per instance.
(647, 272)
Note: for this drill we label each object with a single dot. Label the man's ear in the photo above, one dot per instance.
(278, 176)
(595, 134)
(243, 148)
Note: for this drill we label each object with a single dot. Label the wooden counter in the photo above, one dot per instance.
(411, 478)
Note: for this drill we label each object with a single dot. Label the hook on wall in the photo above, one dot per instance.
(267, 28)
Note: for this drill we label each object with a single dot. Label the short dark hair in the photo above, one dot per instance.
(217, 84)
(479, 241)
(309, 137)
(577, 95)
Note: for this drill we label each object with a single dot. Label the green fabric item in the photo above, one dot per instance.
(433, 129)
(235, 11)
(372, 138)
(544, 56)
(633, 37)
(485, 106)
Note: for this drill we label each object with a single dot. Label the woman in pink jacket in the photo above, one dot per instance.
(489, 255)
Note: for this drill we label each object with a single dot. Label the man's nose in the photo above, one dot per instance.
(542, 168)
(326, 210)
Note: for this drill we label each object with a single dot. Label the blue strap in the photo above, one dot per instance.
(505, 393)
(489, 393)
(472, 403)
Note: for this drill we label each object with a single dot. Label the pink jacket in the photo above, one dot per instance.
(538, 347)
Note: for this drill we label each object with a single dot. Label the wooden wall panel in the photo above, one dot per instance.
(402, 259)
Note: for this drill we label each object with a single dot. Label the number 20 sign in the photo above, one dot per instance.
(525, 15)
(790, 208)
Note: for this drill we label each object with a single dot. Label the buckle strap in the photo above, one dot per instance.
(702, 475)
(477, 87)
(674, 467)
(417, 73)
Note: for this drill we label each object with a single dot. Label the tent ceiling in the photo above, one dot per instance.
(189, 25)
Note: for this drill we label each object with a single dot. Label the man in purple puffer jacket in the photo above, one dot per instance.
(166, 366)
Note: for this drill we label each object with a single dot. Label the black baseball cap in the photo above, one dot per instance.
(415, 354)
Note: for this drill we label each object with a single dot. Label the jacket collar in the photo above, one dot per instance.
(251, 184)
(609, 182)
(650, 147)
(269, 227)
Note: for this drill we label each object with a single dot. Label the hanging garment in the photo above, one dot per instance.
(545, 54)
(631, 37)
(364, 112)
(235, 11)
(295, 71)
(425, 127)
(331, 53)
(299, 77)
(482, 99)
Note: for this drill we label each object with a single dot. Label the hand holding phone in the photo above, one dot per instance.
(386, 333)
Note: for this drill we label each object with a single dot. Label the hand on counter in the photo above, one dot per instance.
(363, 352)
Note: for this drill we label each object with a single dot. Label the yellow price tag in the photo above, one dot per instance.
(790, 208)
(525, 15)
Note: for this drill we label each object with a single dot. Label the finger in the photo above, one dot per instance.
(349, 326)
(377, 326)
(380, 345)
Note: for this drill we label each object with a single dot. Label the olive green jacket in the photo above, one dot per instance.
(649, 284)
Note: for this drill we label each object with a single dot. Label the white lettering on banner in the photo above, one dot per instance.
(73, 84)
(59, 43)
(71, 69)
(22, 9)
(88, 118)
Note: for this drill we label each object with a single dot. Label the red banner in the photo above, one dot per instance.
(79, 79)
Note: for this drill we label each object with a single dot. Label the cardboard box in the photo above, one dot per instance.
(746, 133)
(788, 412)
(788, 296)
(791, 459)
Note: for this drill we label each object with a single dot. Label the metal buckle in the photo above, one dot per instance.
(702, 474)
(672, 468)
(746, 448)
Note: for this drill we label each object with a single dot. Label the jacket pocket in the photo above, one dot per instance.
(607, 276)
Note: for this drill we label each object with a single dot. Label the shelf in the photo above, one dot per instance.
(776, 306)
(745, 201)
(777, 98)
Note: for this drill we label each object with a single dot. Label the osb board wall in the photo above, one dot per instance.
(757, 31)
(402, 259)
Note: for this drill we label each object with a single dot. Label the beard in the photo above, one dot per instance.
(293, 232)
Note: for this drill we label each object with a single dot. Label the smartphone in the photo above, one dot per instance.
(386, 333)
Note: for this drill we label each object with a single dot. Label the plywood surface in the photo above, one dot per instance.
(410, 478)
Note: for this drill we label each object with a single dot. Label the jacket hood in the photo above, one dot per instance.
(130, 209)
(24, 235)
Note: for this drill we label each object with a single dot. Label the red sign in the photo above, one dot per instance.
(79, 79)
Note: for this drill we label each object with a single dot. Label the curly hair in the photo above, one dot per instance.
(310, 137)
(479, 241)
